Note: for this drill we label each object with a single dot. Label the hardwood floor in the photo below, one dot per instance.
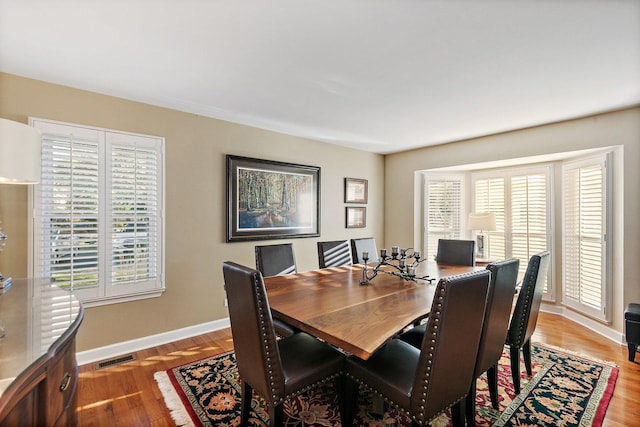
(127, 394)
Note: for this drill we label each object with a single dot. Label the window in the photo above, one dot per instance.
(98, 212)
(443, 211)
(489, 197)
(586, 202)
(521, 199)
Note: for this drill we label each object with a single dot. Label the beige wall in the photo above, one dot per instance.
(195, 201)
(621, 128)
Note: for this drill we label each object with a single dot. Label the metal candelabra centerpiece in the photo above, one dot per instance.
(402, 263)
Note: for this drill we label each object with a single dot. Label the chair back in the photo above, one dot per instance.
(364, 244)
(502, 288)
(525, 313)
(450, 345)
(275, 260)
(254, 340)
(456, 252)
(334, 254)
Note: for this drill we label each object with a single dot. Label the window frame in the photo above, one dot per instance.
(605, 160)
(107, 291)
(462, 207)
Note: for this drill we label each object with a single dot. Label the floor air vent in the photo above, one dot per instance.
(115, 361)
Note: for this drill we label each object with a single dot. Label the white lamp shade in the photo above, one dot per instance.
(483, 221)
(20, 152)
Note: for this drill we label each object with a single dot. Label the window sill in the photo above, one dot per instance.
(97, 302)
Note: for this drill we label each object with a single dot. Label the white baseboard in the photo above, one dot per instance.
(125, 347)
(109, 351)
(597, 327)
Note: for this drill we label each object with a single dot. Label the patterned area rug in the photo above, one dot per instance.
(566, 389)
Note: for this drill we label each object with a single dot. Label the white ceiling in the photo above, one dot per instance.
(376, 75)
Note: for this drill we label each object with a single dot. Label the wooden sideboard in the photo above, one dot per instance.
(38, 368)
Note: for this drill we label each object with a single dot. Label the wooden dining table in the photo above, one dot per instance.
(332, 305)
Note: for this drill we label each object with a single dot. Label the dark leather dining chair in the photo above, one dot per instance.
(276, 260)
(525, 315)
(504, 275)
(334, 254)
(456, 252)
(425, 382)
(276, 369)
(364, 244)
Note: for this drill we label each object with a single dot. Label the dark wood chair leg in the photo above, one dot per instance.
(340, 391)
(457, 414)
(245, 405)
(351, 389)
(492, 381)
(632, 351)
(526, 353)
(470, 406)
(514, 355)
(276, 415)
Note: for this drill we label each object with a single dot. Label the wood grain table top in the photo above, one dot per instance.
(330, 303)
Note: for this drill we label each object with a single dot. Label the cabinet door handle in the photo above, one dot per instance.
(66, 380)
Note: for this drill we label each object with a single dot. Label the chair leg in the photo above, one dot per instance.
(340, 391)
(632, 351)
(526, 353)
(351, 389)
(276, 415)
(245, 405)
(470, 406)
(492, 381)
(514, 355)
(457, 414)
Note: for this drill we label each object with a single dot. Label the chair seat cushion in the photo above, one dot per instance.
(391, 370)
(306, 360)
(632, 312)
(414, 335)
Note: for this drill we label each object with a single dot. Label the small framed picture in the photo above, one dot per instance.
(355, 190)
(356, 217)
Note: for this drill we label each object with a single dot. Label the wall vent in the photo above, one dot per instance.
(115, 361)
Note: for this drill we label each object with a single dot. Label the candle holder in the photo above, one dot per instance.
(403, 263)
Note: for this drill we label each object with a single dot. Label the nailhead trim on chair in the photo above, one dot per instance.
(524, 320)
(400, 408)
(267, 343)
(270, 354)
(435, 318)
(310, 386)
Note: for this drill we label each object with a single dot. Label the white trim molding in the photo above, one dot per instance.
(586, 322)
(109, 351)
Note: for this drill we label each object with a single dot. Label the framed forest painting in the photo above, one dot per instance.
(267, 199)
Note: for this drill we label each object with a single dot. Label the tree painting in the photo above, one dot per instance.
(268, 199)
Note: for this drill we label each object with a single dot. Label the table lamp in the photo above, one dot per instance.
(481, 221)
(20, 153)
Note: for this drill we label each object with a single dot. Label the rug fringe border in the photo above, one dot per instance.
(172, 400)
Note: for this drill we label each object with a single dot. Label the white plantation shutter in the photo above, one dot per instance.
(490, 197)
(68, 210)
(98, 211)
(520, 199)
(443, 197)
(134, 203)
(585, 205)
(529, 217)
